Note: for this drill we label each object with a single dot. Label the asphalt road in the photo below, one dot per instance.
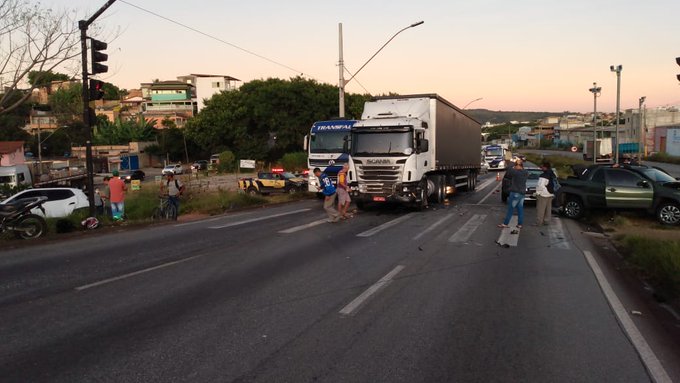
(280, 295)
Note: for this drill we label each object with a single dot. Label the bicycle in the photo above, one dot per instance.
(165, 210)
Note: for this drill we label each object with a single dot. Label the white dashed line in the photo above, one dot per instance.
(361, 299)
(305, 226)
(465, 232)
(385, 225)
(259, 219)
(432, 227)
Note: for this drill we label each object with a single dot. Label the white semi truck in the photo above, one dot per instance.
(413, 150)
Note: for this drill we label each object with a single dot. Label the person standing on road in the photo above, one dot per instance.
(116, 196)
(174, 189)
(544, 195)
(518, 187)
(343, 192)
(328, 190)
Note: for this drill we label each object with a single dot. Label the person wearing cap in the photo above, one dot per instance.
(116, 195)
(174, 189)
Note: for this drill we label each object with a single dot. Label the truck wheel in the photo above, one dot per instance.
(573, 208)
(252, 191)
(421, 204)
(668, 213)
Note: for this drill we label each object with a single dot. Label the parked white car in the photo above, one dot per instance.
(174, 169)
(61, 202)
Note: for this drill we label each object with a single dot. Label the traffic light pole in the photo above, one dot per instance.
(83, 25)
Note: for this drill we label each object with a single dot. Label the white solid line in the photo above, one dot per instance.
(493, 190)
(199, 221)
(652, 363)
(556, 233)
(305, 226)
(384, 226)
(128, 275)
(382, 283)
(465, 232)
(485, 184)
(506, 237)
(432, 227)
(258, 219)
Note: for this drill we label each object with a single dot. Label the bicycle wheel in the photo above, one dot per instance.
(156, 215)
(170, 212)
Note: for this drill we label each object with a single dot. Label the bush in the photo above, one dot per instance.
(227, 162)
(296, 161)
(664, 157)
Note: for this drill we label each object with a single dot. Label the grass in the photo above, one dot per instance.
(562, 164)
(659, 260)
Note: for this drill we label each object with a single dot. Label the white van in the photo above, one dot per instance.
(15, 175)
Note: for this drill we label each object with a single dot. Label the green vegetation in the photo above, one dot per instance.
(657, 259)
(561, 164)
(122, 132)
(294, 161)
(227, 162)
(664, 157)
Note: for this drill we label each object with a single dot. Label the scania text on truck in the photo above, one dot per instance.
(327, 148)
(413, 149)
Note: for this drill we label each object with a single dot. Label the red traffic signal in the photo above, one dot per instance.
(677, 60)
(96, 89)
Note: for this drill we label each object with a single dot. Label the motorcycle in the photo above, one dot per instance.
(16, 217)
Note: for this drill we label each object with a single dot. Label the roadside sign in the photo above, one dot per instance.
(247, 164)
(574, 149)
(135, 185)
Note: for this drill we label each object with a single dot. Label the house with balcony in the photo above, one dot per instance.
(168, 99)
(207, 85)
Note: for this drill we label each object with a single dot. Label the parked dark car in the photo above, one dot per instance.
(621, 187)
(128, 176)
(200, 165)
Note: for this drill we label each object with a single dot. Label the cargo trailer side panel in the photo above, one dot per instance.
(458, 138)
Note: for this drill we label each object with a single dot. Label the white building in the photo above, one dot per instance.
(206, 85)
(644, 124)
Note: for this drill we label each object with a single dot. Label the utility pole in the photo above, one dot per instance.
(595, 90)
(83, 25)
(641, 133)
(341, 80)
(617, 69)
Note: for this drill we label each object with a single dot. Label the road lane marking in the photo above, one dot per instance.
(651, 362)
(199, 221)
(465, 232)
(556, 233)
(485, 184)
(305, 226)
(432, 227)
(493, 190)
(128, 275)
(385, 225)
(381, 284)
(259, 219)
(506, 237)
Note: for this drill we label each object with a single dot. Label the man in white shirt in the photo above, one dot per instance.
(544, 195)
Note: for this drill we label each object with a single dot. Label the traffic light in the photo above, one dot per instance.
(98, 57)
(677, 60)
(96, 89)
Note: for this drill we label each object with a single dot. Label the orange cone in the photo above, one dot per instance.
(498, 176)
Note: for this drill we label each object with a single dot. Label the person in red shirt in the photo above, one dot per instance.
(116, 196)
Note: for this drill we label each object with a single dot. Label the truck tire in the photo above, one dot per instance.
(421, 203)
(573, 207)
(439, 190)
(668, 213)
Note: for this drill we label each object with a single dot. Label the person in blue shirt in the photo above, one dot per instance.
(327, 188)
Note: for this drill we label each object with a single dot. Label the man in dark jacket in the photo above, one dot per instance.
(518, 187)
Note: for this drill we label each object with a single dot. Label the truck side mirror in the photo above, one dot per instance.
(423, 145)
(345, 144)
(305, 143)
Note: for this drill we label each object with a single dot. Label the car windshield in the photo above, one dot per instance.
(657, 175)
(534, 173)
(328, 142)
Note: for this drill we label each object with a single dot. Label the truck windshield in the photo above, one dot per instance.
(382, 143)
(327, 142)
(494, 152)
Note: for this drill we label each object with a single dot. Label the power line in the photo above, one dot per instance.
(301, 73)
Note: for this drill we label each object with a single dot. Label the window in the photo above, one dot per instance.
(598, 176)
(624, 178)
(215, 84)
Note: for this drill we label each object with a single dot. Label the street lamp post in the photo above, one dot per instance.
(641, 133)
(475, 100)
(341, 82)
(595, 90)
(617, 69)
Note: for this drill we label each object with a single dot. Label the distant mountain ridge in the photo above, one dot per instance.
(499, 117)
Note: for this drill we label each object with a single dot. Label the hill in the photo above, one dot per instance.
(499, 117)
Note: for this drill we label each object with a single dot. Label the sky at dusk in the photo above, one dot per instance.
(529, 55)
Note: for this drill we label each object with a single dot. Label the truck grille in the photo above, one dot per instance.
(379, 179)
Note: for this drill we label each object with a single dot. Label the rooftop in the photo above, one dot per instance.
(7, 147)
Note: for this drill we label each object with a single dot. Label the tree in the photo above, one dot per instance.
(122, 132)
(39, 79)
(67, 103)
(112, 92)
(33, 38)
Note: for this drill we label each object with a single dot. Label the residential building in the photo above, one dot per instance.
(40, 120)
(207, 85)
(171, 100)
(647, 122)
(12, 153)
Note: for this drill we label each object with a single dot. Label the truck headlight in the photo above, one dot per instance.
(362, 188)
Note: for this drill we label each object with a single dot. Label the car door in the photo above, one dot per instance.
(279, 181)
(595, 189)
(625, 189)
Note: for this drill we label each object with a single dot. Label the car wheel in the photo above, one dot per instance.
(252, 191)
(668, 213)
(573, 208)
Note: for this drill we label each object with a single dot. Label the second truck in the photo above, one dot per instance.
(413, 150)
